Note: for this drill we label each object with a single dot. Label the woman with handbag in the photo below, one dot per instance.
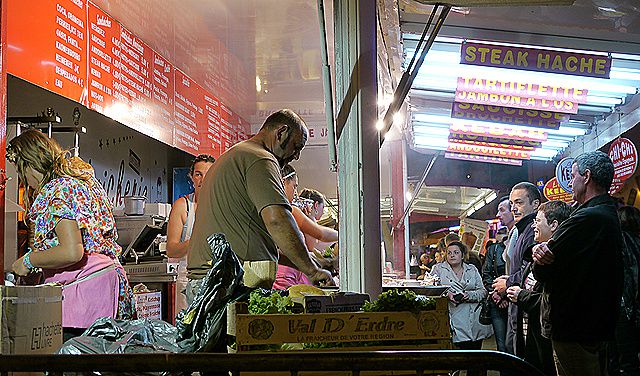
(465, 294)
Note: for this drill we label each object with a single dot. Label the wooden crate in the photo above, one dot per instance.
(381, 330)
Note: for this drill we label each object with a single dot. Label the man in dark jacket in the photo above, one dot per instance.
(582, 308)
(525, 199)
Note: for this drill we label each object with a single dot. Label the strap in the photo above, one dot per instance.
(91, 276)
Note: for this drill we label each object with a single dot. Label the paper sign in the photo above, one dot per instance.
(624, 155)
(149, 305)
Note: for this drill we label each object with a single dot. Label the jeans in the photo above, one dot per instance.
(499, 322)
(578, 358)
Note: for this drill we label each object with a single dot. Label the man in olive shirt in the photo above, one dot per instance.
(243, 198)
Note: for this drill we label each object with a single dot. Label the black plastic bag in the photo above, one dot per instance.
(202, 326)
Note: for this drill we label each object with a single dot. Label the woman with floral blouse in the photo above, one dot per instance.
(73, 234)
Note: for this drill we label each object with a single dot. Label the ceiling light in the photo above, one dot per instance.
(408, 196)
(478, 206)
(379, 124)
(258, 84)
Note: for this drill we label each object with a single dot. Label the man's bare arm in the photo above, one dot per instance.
(284, 231)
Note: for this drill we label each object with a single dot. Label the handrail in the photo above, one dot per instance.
(417, 360)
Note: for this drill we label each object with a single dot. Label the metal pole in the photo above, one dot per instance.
(405, 84)
(416, 191)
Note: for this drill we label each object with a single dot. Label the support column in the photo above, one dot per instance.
(398, 189)
(358, 146)
(3, 124)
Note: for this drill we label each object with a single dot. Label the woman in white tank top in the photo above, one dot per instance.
(181, 219)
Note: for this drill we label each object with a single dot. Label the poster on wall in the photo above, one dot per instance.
(477, 232)
(624, 155)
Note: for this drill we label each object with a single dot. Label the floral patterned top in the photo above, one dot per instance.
(85, 202)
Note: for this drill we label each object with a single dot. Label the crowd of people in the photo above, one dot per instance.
(562, 281)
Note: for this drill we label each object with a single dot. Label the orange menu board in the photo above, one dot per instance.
(47, 45)
(210, 130)
(227, 127)
(104, 38)
(189, 111)
(73, 48)
(163, 96)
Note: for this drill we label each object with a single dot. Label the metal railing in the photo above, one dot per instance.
(417, 361)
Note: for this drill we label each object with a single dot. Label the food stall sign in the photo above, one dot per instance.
(624, 155)
(508, 115)
(519, 95)
(495, 131)
(505, 142)
(483, 158)
(553, 191)
(535, 59)
(487, 149)
(563, 174)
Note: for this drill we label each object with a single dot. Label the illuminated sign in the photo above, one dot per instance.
(482, 158)
(487, 149)
(498, 131)
(519, 95)
(507, 115)
(553, 191)
(535, 59)
(503, 142)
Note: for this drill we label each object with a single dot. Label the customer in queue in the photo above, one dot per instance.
(73, 237)
(464, 295)
(493, 268)
(180, 225)
(288, 275)
(524, 200)
(582, 309)
(624, 351)
(242, 197)
(537, 349)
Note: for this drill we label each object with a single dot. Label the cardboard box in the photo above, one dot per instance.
(149, 305)
(337, 302)
(354, 327)
(31, 319)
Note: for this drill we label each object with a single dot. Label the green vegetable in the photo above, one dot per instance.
(399, 300)
(263, 302)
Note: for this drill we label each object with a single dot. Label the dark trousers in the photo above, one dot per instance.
(623, 352)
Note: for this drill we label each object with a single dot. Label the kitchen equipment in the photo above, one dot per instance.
(134, 205)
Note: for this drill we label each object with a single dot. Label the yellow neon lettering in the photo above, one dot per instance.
(586, 65)
(470, 53)
(508, 58)
(495, 56)
(571, 63)
(543, 59)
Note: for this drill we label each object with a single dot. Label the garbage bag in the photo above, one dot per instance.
(202, 327)
(109, 336)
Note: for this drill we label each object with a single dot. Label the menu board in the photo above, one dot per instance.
(210, 130)
(75, 49)
(227, 127)
(104, 52)
(47, 45)
(188, 113)
(163, 96)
